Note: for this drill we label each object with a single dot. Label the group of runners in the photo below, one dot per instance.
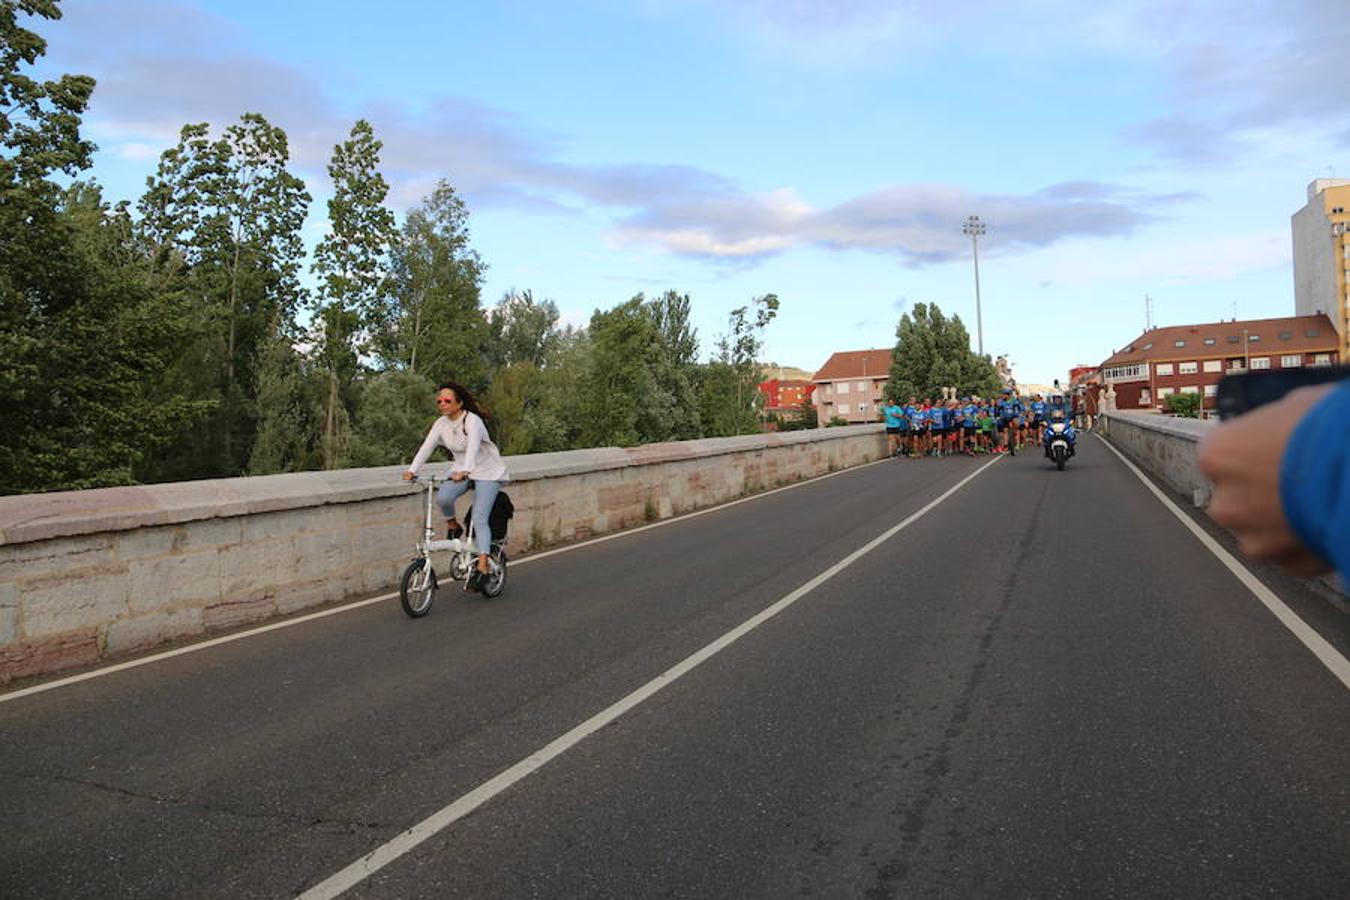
(970, 425)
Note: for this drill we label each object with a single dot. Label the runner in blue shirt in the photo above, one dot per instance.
(969, 413)
(1009, 410)
(937, 418)
(918, 430)
(897, 424)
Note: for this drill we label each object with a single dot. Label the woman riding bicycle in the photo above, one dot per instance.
(477, 463)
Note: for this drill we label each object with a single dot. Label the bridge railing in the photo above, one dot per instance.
(85, 575)
(1164, 446)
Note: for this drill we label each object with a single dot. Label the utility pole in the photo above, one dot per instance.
(975, 228)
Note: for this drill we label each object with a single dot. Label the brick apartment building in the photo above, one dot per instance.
(785, 396)
(850, 385)
(1192, 358)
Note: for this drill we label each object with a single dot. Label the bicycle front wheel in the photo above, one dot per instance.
(417, 588)
(495, 583)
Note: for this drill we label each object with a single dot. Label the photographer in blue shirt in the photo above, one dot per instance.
(1281, 476)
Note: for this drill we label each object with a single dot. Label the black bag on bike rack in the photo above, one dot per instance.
(503, 510)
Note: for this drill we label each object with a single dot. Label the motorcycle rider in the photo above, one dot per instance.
(1057, 417)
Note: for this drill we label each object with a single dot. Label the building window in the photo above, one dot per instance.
(1291, 362)
(843, 387)
(1209, 342)
(862, 387)
(1311, 332)
(1236, 365)
(1213, 365)
(1321, 359)
(1148, 346)
(1253, 338)
(1145, 397)
(1190, 389)
(1211, 390)
(1136, 372)
(1164, 368)
(1188, 368)
(1232, 339)
(1286, 335)
(843, 409)
(1260, 362)
(1166, 392)
(1178, 343)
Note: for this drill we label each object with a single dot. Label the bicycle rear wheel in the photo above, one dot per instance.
(417, 588)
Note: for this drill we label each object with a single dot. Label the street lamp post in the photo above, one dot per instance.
(975, 228)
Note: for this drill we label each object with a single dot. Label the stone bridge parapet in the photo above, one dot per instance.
(86, 575)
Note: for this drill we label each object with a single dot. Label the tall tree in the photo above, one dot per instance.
(431, 321)
(351, 264)
(933, 352)
(619, 382)
(522, 330)
(221, 222)
(728, 389)
(82, 343)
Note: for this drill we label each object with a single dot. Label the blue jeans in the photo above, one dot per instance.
(484, 494)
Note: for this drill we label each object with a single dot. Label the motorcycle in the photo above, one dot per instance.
(1059, 440)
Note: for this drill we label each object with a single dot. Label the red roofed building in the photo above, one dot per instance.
(1190, 359)
(785, 395)
(850, 385)
(1081, 375)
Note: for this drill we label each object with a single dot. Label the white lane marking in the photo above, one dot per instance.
(1325, 653)
(191, 648)
(240, 635)
(383, 855)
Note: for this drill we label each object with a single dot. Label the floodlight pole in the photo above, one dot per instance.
(975, 228)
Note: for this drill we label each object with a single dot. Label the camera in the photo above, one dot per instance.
(1238, 394)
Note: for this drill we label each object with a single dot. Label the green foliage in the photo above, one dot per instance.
(803, 417)
(168, 345)
(430, 321)
(836, 422)
(39, 120)
(933, 352)
(618, 380)
(351, 264)
(508, 398)
(392, 417)
(522, 330)
(729, 396)
(220, 227)
(84, 344)
(82, 366)
(290, 405)
(1185, 405)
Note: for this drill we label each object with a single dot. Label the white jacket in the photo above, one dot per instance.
(467, 439)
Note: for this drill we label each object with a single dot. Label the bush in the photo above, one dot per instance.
(1184, 405)
(836, 421)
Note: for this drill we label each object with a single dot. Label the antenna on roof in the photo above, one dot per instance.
(1148, 313)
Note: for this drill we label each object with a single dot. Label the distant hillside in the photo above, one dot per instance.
(784, 373)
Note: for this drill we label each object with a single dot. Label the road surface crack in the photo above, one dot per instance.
(913, 816)
(195, 806)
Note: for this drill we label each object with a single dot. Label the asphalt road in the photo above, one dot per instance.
(1044, 686)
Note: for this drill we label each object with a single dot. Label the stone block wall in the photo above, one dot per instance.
(86, 575)
(1163, 446)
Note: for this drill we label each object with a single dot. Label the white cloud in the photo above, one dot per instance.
(137, 151)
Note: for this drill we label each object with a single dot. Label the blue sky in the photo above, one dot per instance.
(825, 152)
